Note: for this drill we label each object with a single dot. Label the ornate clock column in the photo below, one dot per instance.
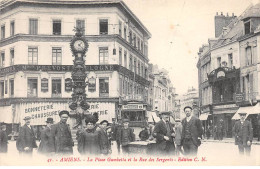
(79, 47)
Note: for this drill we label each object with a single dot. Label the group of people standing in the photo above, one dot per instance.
(186, 134)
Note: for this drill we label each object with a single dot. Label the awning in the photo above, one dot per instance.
(227, 111)
(249, 110)
(204, 116)
(152, 117)
(6, 114)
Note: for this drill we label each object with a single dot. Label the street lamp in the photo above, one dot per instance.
(79, 47)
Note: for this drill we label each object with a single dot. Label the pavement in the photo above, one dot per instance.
(229, 140)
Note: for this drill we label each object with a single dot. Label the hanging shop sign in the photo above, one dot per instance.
(68, 87)
(44, 85)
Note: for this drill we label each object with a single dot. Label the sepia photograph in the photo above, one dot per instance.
(129, 83)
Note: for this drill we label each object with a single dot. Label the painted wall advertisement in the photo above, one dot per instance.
(39, 112)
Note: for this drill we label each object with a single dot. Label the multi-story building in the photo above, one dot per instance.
(36, 60)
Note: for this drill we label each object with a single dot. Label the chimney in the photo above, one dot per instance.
(220, 22)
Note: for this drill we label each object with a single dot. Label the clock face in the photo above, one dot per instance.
(79, 45)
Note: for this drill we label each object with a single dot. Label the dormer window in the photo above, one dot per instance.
(247, 27)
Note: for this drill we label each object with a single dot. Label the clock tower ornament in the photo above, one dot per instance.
(79, 47)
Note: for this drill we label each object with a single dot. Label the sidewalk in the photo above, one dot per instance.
(229, 140)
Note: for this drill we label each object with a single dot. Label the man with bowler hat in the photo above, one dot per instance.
(61, 141)
(3, 140)
(243, 134)
(44, 146)
(26, 140)
(191, 133)
(164, 134)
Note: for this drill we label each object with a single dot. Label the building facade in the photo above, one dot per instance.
(36, 61)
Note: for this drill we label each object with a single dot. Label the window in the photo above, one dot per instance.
(11, 87)
(32, 55)
(56, 27)
(142, 46)
(130, 37)
(219, 61)
(125, 32)
(138, 43)
(138, 68)
(120, 85)
(12, 28)
(81, 25)
(2, 89)
(142, 69)
(103, 55)
(32, 87)
(33, 26)
(130, 63)
(125, 58)
(103, 87)
(2, 61)
(145, 73)
(120, 28)
(135, 65)
(247, 27)
(230, 60)
(56, 87)
(134, 38)
(120, 56)
(11, 56)
(103, 26)
(56, 56)
(249, 56)
(145, 50)
(2, 31)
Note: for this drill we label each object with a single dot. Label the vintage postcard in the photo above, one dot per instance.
(129, 82)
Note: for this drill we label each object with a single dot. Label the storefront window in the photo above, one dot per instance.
(32, 88)
(2, 88)
(133, 115)
(56, 87)
(11, 83)
(103, 87)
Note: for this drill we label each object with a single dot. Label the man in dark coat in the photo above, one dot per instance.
(61, 141)
(26, 140)
(243, 134)
(191, 133)
(164, 134)
(125, 136)
(44, 146)
(3, 140)
(105, 143)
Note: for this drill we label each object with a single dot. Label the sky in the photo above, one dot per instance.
(179, 28)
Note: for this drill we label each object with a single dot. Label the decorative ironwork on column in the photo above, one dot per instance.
(79, 46)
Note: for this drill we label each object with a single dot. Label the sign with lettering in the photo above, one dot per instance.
(105, 110)
(44, 85)
(239, 97)
(225, 106)
(92, 84)
(68, 87)
(132, 106)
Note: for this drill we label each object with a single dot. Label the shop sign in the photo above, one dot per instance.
(106, 111)
(225, 106)
(44, 85)
(68, 87)
(132, 106)
(92, 84)
(239, 97)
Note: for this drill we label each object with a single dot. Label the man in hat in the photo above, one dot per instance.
(105, 143)
(178, 134)
(243, 134)
(164, 134)
(26, 140)
(61, 141)
(125, 136)
(3, 140)
(44, 146)
(191, 133)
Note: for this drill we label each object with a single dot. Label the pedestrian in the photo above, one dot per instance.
(215, 136)
(243, 132)
(26, 140)
(208, 132)
(105, 143)
(118, 128)
(191, 133)
(125, 135)
(178, 134)
(3, 139)
(164, 134)
(220, 132)
(89, 139)
(45, 144)
(61, 141)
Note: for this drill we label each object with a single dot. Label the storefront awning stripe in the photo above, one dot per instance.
(227, 111)
(249, 110)
(152, 117)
